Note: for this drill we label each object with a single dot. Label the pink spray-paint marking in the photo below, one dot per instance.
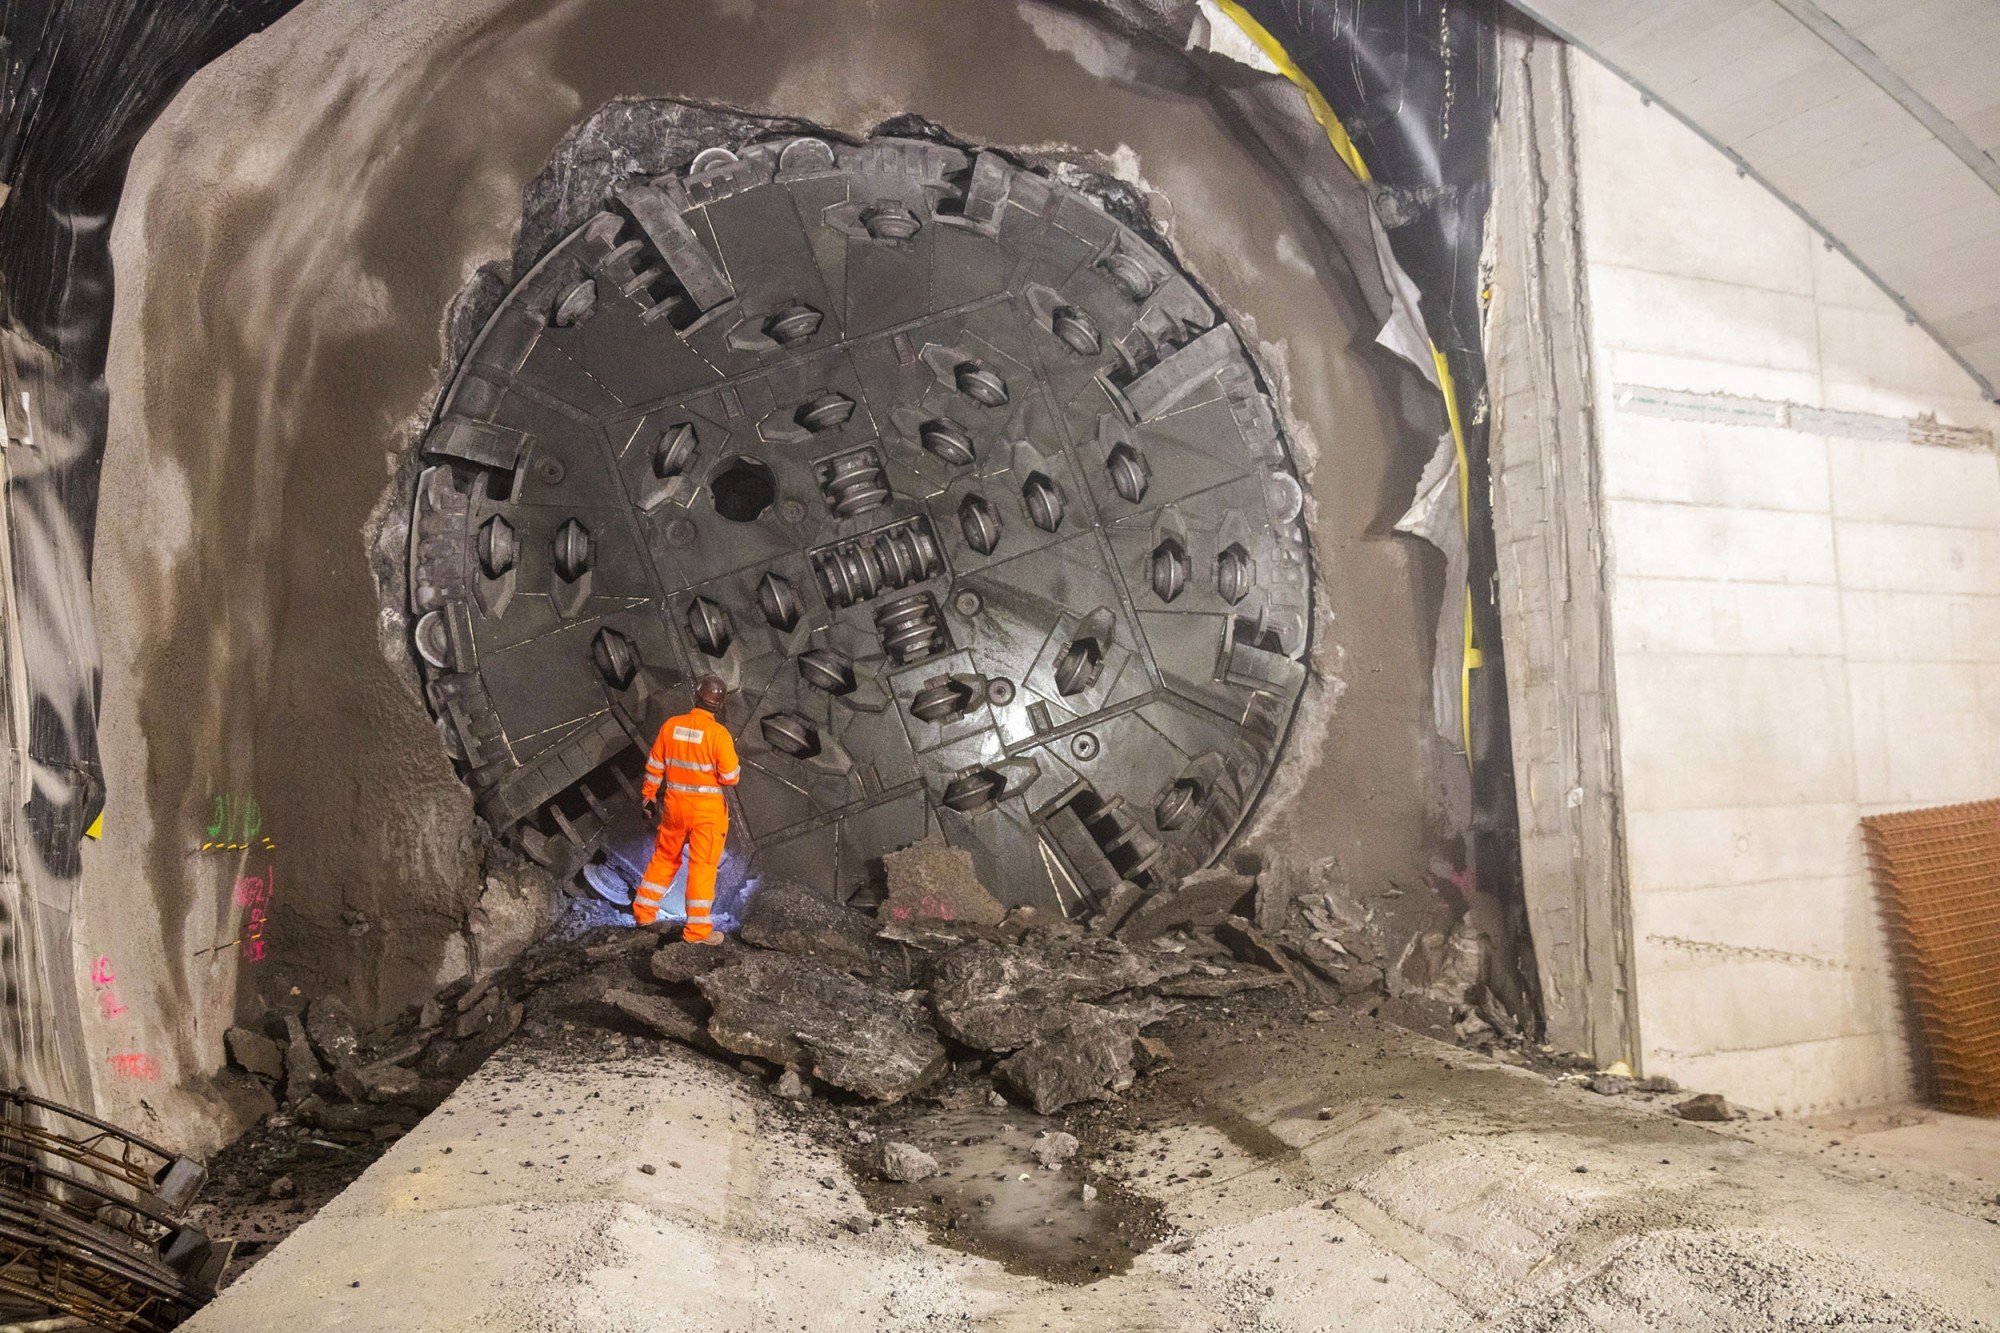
(135, 1066)
(107, 998)
(254, 891)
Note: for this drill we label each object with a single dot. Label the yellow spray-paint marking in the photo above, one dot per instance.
(1337, 135)
(96, 829)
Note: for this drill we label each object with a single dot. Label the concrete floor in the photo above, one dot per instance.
(1445, 1191)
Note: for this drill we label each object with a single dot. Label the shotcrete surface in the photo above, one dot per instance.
(293, 230)
(1311, 1174)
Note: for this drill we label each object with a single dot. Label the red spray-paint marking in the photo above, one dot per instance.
(135, 1066)
(107, 998)
(253, 891)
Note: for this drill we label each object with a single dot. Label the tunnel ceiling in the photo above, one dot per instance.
(966, 491)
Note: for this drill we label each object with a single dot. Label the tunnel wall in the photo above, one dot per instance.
(293, 231)
(1797, 515)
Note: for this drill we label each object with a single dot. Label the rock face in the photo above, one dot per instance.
(999, 997)
(903, 1163)
(935, 882)
(255, 1052)
(796, 920)
(1087, 1058)
(1206, 897)
(798, 1011)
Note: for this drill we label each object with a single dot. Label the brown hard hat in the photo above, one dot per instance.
(711, 691)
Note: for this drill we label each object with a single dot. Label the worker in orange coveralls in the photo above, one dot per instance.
(693, 759)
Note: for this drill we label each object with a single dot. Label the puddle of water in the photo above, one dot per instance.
(991, 1198)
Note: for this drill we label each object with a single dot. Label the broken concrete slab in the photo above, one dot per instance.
(1088, 1058)
(255, 1052)
(998, 997)
(334, 1034)
(799, 1011)
(1202, 899)
(679, 962)
(932, 881)
(796, 920)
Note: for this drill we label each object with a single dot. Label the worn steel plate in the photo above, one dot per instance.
(965, 490)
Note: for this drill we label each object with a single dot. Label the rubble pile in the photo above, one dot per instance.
(938, 982)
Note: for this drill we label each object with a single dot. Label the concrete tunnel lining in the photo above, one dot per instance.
(319, 194)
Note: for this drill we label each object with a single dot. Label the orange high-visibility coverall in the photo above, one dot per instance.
(693, 759)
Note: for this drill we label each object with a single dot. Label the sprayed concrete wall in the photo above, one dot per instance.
(293, 230)
(1802, 518)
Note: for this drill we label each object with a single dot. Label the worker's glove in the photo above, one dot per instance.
(651, 805)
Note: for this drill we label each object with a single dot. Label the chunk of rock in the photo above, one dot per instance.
(903, 1163)
(1209, 988)
(281, 1188)
(1052, 1150)
(335, 1035)
(799, 1011)
(796, 920)
(1204, 898)
(999, 997)
(384, 1082)
(791, 1087)
(1117, 904)
(302, 1067)
(255, 1052)
(680, 962)
(935, 882)
(661, 1016)
(1708, 1106)
(1087, 1058)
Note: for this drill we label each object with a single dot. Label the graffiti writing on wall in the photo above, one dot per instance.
(253, 894)
(102, 977)
(237, 826)
(135, 1066)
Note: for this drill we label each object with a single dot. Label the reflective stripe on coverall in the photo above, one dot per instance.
(693, 759)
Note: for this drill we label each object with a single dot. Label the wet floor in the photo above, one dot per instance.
(992, 1198)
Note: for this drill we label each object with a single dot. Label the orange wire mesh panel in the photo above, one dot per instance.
(1939, 875)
